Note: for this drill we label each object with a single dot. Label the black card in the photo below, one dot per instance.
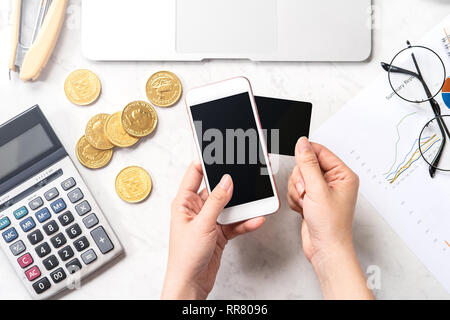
(285, 121)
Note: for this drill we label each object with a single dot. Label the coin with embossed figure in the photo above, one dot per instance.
(95, 132)
(133, 184)
(82, 87)
(116, 133)
(139, 119)
(163, 89)
(91, 157)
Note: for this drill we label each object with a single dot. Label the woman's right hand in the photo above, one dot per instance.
(324, 191)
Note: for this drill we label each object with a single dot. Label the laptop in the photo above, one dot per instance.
(195, 30)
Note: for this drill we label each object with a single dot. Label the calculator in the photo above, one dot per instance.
(52, 229)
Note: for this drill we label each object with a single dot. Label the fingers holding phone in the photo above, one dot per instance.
(196, 240)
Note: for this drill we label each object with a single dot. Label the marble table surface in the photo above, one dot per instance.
(268, 264)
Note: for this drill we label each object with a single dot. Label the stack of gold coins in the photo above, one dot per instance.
(121, 129)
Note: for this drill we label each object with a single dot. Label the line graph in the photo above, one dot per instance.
(397, 128)
(426, 144)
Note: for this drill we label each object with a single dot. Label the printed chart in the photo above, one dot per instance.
(377, 135)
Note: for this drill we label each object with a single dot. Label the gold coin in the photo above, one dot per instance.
(139, 119)
(163, 89)
(95, 132)
(90, 157)
(116, 133)
(82, 87)
(133, 184)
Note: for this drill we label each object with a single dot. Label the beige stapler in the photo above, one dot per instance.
(31, 60)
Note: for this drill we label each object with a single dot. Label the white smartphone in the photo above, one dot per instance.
(230, 140)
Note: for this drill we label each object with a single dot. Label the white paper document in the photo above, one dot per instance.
(377, 135)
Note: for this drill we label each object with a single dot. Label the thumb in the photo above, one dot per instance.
(217, 200)
(309, 166)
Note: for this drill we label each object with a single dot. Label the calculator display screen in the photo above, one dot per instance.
(23, 149)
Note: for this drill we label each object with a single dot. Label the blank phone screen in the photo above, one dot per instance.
(230, 144)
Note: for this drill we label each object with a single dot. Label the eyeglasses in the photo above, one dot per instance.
(417, 74)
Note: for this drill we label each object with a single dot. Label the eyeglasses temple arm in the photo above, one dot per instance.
(391, 68)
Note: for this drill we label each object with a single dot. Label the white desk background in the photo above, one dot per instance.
(266, 264)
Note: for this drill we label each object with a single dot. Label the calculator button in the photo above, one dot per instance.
(75, 195)
(66, 218)
(73, 266)
(58, 206)
(33, 273)
(41, 286)
(17, 248)
(35, 237)
(73, 231)
(4, 223)
(81, 244)
(83, 208)
(20, 213)
(27, 224)
(51, 227)
(50, 263)
(90, 221)
(25, 260)
(43, 249)
(68, 184)
(42, 215)
(58, 241)
(36, 203)
(10, 235)
(51, 194)
(58, 275)
(66, 253)
(89, 256)
(102, 240)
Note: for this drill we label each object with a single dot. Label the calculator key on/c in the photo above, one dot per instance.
(25, 260)
(58, 206)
